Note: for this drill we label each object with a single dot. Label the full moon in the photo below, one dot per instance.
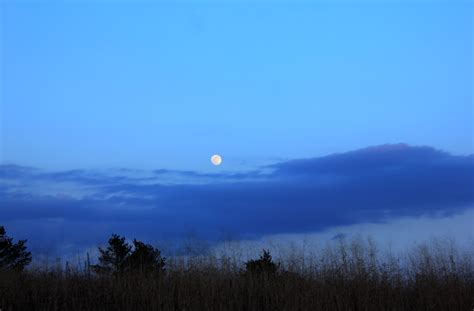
(216, 159)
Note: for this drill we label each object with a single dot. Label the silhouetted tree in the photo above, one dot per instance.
(120, 257)
(113, 258)
(145, 258)
(263, 265)
(13, 256)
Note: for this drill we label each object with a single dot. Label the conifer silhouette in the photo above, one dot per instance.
(120, 257)
(13, 256)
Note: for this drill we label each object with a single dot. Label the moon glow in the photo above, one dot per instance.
(216, 159)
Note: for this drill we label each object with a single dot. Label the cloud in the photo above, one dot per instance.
(395, 236)
(371, 185)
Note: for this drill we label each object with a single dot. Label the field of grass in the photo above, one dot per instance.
(345, 276)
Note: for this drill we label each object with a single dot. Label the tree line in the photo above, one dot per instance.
(119, 257)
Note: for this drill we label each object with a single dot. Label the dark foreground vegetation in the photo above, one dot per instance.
(343, 276)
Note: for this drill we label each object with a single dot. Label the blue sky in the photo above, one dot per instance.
(147, 85)
(327, 114)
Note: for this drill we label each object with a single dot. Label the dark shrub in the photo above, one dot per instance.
(263, 265)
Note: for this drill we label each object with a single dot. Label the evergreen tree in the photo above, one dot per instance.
(113, 258)
(145, 258)
(13, 256)
(120, 257)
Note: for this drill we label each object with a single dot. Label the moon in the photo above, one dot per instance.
(216, 160)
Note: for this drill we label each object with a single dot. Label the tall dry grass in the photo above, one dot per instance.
(348, 275)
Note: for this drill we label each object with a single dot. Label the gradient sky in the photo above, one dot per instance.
(110, 112)
(94, 84)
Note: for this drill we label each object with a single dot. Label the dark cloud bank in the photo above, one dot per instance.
(374, 184)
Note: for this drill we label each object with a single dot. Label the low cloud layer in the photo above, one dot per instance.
(371, 185)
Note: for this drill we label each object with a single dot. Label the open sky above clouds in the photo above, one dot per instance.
(110, 112)
(144, 84)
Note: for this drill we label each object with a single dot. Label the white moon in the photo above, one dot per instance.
(216, 159)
